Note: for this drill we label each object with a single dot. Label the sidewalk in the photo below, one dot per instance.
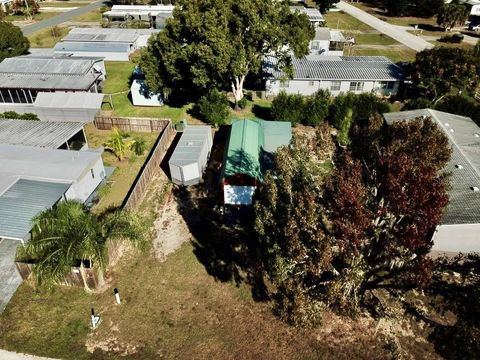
(7, 355)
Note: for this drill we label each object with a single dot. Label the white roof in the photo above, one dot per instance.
(42, 164)
(107, 34)
(69, 100)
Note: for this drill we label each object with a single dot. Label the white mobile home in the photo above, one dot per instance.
(189, 159)
(338, 74)
(459, 230)
(327, 42)
(154, 16)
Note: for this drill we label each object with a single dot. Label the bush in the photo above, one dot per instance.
(316, 108)
(214, 107)
(139, 146)
(453, 39)
(13, 42)
(417, 103)
(460, 105)
(288, 108)
(16, 116)
(243, 103)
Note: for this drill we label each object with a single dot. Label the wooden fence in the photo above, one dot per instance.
(150, 168)
(74, 278)
(130, 124)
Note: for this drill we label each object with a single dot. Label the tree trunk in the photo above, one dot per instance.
(82, 272)
(101, 278)
(237, 89)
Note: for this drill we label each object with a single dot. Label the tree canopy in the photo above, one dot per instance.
(452, 14)
(336, 222)
(12, 41)
(217, 43)
(441, 70)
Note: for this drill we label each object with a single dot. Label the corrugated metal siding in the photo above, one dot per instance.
(24, 200)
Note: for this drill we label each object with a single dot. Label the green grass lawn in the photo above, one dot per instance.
(395, 54)
(63, 4)
(92, 16)
(343, 21)
(37, 17)
(372, 39)
(45, 38)
(113, 193)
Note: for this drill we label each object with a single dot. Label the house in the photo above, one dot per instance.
(338, 74)
(327, 42)
(189, 159)
(154, 16)
(23, 77)
(60, 106)
(459, 230)
(313, 14)
(111, 44)
(35, 178)
(141, 94)
(251, 145)
(45, 134)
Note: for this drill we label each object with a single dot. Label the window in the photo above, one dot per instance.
(311, 83)
(335, 85)
(93, 174)
(284, 84)
(387, 85)
(356, 86)
(315, 45)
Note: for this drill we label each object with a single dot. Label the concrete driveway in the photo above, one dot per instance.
(66, 16)
(7, 355)
(396, 32)
(10, 279)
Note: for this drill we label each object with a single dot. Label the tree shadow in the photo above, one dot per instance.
(262, 112)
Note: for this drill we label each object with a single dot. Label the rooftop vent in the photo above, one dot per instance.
(447, 124)
(474, 188)
(189, 143)
(476, 135)
(451, 130)
(458, 166)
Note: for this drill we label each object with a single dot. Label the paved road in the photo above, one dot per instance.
(7, 355)
(10, 279)
(401, 35)
(61, 18)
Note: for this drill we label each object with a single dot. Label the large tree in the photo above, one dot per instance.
(217, 43)
(452, 14)
(12, 41)
(439, 71)
(333, 234)
(69, 233)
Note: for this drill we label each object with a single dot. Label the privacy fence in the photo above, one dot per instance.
(73, 278)
(130, 124)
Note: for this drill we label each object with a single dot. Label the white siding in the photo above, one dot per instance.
(175, 173)
(457, 238)
(191, 173)
(309, 87)
(83, 187)
(50, 114)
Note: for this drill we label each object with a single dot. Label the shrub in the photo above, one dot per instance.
(139, 146)
(17, 116)
(288, 108)
(417, 103)
(243, 103)
(316, 108)
(454, 39)
(214, 107)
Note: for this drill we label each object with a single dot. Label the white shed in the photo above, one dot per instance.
(190, 156)
(142, 96)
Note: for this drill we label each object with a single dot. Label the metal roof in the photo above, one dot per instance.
(190, 145)
(322, 67)
(464, 136)
(48, 82)
(37, 133)
(43, 164)
(107, 34)
(249, 140)
(152, 10)
(71, 46)
(313, 14)
(47, 65)
(69, 100)
(24, 200)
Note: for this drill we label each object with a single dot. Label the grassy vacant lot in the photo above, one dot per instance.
(372, 39)
(171, 310)
(343, 21)
(46, 38)
(113, 193)
(37, 17)
(63, 4)
(118, 75)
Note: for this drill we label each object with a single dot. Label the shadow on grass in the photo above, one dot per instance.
(262, 112)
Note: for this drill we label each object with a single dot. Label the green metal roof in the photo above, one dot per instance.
(249, 139)
(22, 201)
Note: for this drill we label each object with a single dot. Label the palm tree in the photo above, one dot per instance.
(69, 233)
(117, 144)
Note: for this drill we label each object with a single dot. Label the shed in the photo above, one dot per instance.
(142, 96)
(250, 151)
(189, 159)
